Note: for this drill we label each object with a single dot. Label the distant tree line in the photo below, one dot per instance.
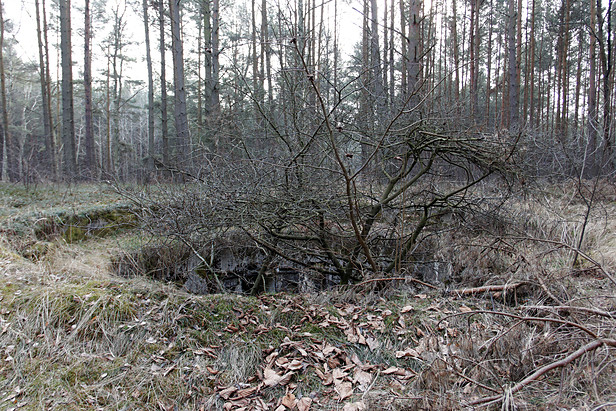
(254, 81)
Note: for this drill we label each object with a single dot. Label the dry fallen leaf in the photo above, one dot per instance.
(465, 309)
(227, 392)
(271, 357)
(205, 351)
(286, 378)
(354, 406)
(355, 360)
(394, 370)
(333, 362)
(373, 343)
(239, 405)
(328, 349)
(406, 309)
(327, 378)
(304, 404)
(362, 378)
(246, 392)
(303, 352)
(409, 352)
(452, 332)
(271, 378)
(289, 401)
(338, 374)
(294, 365)
(351, 335)
(344, 390)
(231, 329)
(261, 329)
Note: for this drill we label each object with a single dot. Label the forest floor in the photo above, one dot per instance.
(75, 336)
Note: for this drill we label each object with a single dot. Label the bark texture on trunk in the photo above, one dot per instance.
(69, 154)
(180, 114)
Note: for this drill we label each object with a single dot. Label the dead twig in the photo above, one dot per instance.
(591, 346)
(574, 249)
(547, 291)
(459, 374)
(487, 289)
(572, 308)
(519, 317)
(373, 280)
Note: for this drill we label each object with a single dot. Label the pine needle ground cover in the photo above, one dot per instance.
(75, 336)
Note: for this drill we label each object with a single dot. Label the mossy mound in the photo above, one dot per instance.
(38, 250)
(92, 223)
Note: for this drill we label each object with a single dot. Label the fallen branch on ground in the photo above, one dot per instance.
(591, 346)
(415, 280)
(487, 289)
(571, 308)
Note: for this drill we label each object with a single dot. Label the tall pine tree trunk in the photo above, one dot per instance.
(514, 85)
(199, 71)
(488, 93)
(456, 55)
(605, 57)
(6, 140)
(69, 154)
(54, 134)
(268, 54)
(117, 63)
(47, 122)
(592, 87)
(531, 68)
(10, 145)
(392, 65)
(375, 63)
(404, 49)
(215, 97)
(256, 89)
(180, 113)
(163, 85)
(148, 56)
(414, 68)
(473, 33)
(90, 160)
